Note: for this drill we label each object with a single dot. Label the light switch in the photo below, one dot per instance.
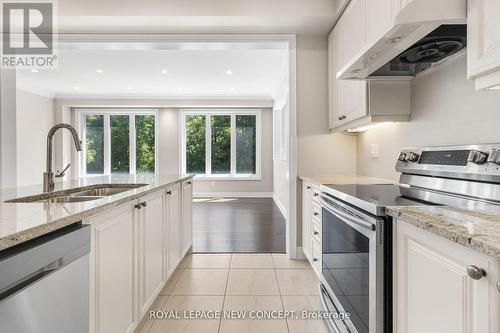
(374, 150)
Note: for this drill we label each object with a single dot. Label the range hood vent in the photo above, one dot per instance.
(427, 53)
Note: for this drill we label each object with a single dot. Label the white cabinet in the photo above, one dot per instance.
(433, 292)
(113, 269)
(135, 249)
(173, 221)
(187, 216)
(354, 103)
(311, 225)
(306, 219)
(483, 42)
(151, 244)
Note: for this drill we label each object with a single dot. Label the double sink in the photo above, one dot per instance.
(78, 194)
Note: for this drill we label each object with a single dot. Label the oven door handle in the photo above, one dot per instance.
(347, 217)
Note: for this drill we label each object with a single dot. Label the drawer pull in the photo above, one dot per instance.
(315, 213)
(169, 192)
(138, 206)
(316, 194)
(316, 233)
(498, 286)
(144, 204)
(315, 259)
(475, 272)
(308, 187)
(189, 182)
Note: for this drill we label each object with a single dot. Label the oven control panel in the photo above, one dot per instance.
(474, 162)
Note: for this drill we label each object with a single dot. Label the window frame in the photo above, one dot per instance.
(81, 113)
(208, 142)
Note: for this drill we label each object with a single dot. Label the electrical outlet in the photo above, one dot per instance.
(374, 150)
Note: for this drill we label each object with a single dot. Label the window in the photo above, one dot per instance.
(220, 144)
(117, 141)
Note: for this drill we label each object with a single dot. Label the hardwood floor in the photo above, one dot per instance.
(238, 225)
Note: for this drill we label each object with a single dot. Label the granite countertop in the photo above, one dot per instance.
(477, 229)
(20, 222)
(345, 180)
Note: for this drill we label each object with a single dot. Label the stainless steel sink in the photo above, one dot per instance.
(79, 194)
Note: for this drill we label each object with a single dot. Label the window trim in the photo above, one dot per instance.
(208, 146)
(80, 114)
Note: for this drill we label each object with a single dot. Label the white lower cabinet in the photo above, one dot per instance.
(174, 228)
(433, 292)
(113, 269)
(151, 247)
(135, 249)
(311, 225)
(187, 216)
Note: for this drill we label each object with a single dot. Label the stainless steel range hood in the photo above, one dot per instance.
(424, 34)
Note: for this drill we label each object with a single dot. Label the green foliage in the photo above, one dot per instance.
(245, 144)
(195, 144)
(221, 144)
(95, 144)
(145, 143)
(120, 148)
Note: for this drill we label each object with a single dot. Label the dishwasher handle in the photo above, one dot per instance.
(27, 263)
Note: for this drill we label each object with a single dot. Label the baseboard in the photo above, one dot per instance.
(280, 205)
(232, 195)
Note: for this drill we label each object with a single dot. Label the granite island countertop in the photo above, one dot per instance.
(20, 222)
(477, 229)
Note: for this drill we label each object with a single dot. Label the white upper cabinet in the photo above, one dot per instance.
(352, 33)
(379, 16)
(483, 39)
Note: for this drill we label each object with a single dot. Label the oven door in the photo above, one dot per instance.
(353, 266)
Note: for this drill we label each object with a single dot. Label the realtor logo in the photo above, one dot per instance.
(28, 34)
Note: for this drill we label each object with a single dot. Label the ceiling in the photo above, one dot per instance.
(162, 73)
(197, 16)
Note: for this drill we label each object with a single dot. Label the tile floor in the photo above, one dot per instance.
(239, 282)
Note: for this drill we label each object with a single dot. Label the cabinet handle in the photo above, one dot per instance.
(138, 206)
(315, 213)
(341, 117)
(169, 192)
(498, 286)
(316, 233)
(316, 194)
(189, 182)
(315, 259)
(308, 187)
(475, 272)
(144, 204)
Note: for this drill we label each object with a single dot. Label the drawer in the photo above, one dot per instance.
(316, 231)
(316, 258)
(316, 210)
(315, 194)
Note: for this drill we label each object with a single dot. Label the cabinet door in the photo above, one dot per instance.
(112, 307)
(433, 292)
(306, 219)
(334, 60)
(483, 37)
(353, 100)
(187, 216)
(378, 19)
(174, 230)
(151, 249)
(353, 36)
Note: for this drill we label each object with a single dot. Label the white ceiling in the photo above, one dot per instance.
(255, 72)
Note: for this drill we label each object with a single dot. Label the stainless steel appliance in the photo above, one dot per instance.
(357, 249)
(44, 283)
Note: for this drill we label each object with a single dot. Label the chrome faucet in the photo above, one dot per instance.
(48, 176)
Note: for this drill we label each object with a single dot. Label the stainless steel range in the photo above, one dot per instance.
(357, 234)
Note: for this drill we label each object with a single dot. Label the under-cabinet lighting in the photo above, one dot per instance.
(365, 128)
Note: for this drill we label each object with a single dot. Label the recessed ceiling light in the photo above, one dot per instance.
(164, 71)
(99, 71)
(76, 87)
(179, 89)
(232, 88)
(229, 71)
(34, 70)
(129, 88)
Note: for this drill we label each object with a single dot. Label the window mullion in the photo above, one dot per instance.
(83, 159)
(132, 145)
(107, 145)
(208, 145)
(233, 144)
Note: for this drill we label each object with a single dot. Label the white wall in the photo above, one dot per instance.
(319, 152)
(8, 121)
(446, 110)
(35, 117)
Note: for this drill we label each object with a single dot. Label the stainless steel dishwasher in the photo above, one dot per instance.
(44, 283)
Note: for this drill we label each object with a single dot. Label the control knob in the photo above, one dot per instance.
(477, 157)
(411, 157)
(494, 156)
(402, 157)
